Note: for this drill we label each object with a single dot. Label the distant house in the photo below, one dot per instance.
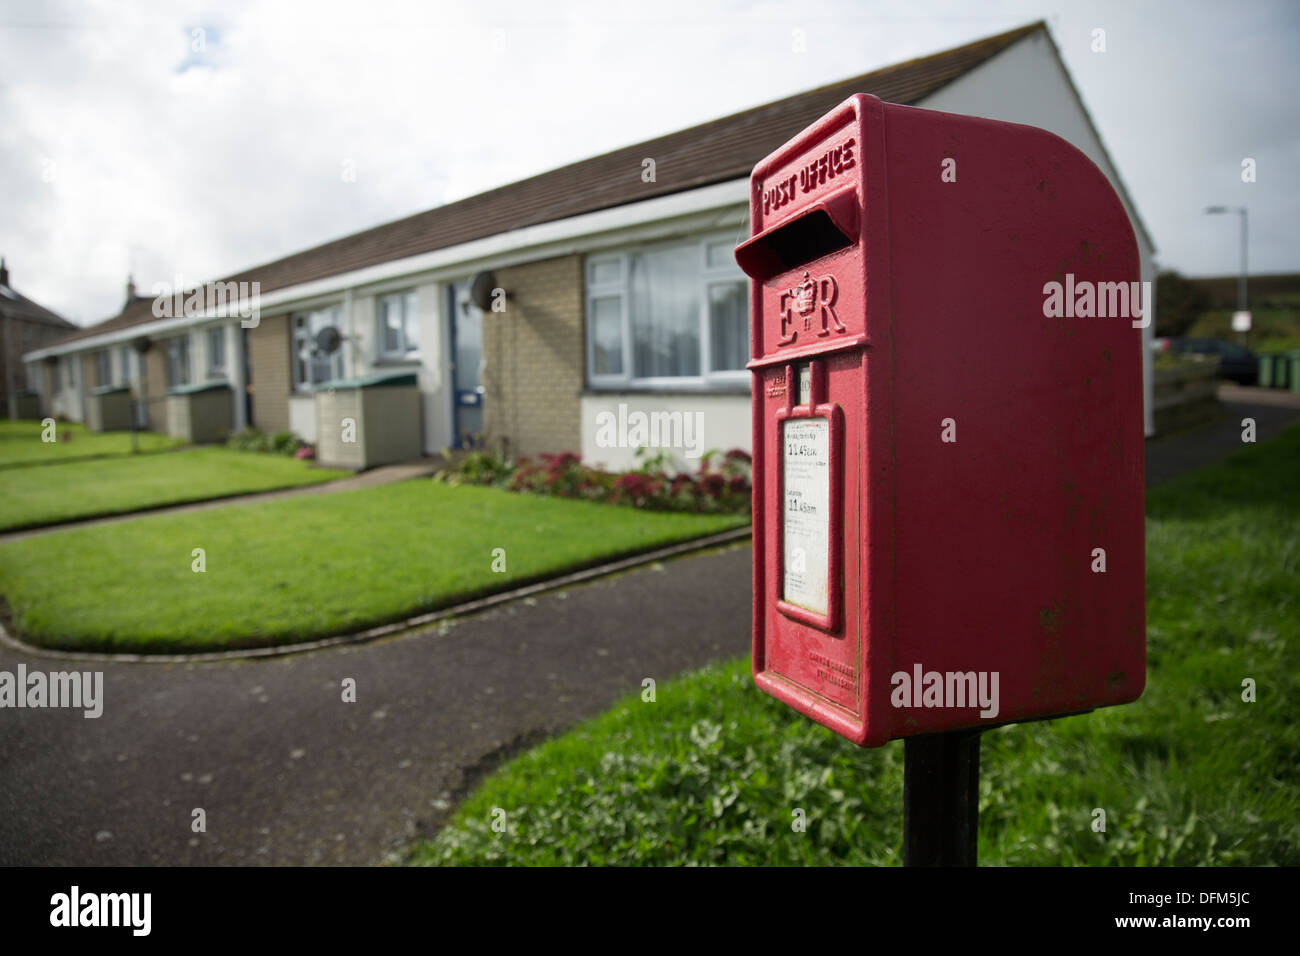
(25, 326)
(618, 290)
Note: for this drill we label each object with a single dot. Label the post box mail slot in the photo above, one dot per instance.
(948, 443)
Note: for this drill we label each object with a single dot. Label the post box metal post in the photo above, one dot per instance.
(945, 317)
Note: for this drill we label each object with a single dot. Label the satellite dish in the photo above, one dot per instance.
(328, 340)
(481, 289)
(142, 344)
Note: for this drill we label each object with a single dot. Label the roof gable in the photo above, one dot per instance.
(13, 304)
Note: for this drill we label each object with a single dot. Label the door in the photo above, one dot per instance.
(466, 367)
(246, 372)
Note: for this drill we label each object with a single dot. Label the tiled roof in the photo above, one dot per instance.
(14, 303)
(717, 151)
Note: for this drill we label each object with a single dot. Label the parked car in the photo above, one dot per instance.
(1236, 362)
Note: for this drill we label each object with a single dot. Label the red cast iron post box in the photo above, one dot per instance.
(947, 414)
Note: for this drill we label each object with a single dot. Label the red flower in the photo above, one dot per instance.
(712, 485)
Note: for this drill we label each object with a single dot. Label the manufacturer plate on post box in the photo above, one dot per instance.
(805, 519)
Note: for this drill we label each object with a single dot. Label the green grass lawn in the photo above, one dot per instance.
(308, 567)
(32, 497)
(21, 444)
(713, 770)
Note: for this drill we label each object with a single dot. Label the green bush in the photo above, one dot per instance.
(284, 443)
(479, 468)
(254, 439)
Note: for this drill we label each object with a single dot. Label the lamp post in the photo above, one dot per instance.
(1241, 282)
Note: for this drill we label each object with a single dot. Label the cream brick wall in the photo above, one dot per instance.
(533, 356)
(48, 387)
(268, 359)
(155, 375)
(18, 337)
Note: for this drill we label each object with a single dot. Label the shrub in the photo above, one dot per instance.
(478, 468)
(722, 482)
(284, 443)
(248, 439)
(253, 439)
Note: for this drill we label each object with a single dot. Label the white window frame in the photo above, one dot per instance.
(298, 386)
(727, 379)
(617, 288)
(175, 341)
(124, 363)
(215, 370)
(406, 351)
(103, 364)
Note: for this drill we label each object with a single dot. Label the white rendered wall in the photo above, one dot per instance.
(1026, 83)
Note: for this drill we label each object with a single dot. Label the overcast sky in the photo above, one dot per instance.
(125, 149)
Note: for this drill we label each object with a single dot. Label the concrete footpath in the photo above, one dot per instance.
(383, 475)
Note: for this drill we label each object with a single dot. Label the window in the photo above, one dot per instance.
(103, 368)
(178, 361)
(311, 366)
(668, 315)
(124, 357)
(216, 352)
(399, 328)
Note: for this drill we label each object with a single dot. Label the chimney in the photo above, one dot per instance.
(130, 290)
(4, 272)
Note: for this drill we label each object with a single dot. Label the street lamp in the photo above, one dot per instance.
(1241, 282)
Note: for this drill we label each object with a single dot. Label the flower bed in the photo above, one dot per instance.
(720, 484)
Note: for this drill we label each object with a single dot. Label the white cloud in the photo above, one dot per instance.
(170, 161)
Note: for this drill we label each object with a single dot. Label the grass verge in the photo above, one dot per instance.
(21, 444)
(714, 771)
(35, 497)
(302, 568)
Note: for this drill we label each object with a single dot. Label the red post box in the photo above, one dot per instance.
(947, 413)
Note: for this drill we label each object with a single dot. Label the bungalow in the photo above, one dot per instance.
(24, 325)
(530, 315)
